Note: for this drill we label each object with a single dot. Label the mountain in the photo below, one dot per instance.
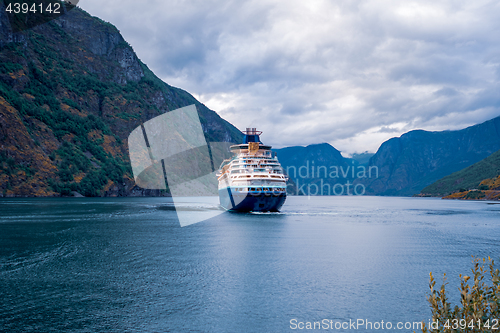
(71, 91)
(318, 154)
(483, 176)
(419, 158)
(401, 166)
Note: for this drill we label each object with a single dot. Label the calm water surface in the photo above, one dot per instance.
(125, 264)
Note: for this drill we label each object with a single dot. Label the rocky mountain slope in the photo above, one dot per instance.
(71, 91)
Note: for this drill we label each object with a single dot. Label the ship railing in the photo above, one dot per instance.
(258, 189)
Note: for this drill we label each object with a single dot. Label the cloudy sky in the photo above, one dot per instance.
(347, 72)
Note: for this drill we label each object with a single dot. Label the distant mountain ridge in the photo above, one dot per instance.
(418, 158)
(321, 154)
(320, 169)
(71, 91)
(401, 166)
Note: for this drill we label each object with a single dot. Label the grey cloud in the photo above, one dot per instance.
(432, 71)
(351, 73)
(446, 91)
(387, 129)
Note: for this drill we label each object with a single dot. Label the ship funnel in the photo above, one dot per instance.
(251, 135)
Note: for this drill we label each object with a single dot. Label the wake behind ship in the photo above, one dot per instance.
(253, 179)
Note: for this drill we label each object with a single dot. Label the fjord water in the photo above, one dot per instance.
(125, 264)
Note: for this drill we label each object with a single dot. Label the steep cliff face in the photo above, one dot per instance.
(418, 158)
(71, 91)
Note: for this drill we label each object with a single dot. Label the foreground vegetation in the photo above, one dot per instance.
(479, 308)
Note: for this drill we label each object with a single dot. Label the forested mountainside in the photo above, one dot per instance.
(71, 91)
(478, 181)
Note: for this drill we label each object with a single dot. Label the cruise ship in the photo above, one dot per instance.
(253, 179)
